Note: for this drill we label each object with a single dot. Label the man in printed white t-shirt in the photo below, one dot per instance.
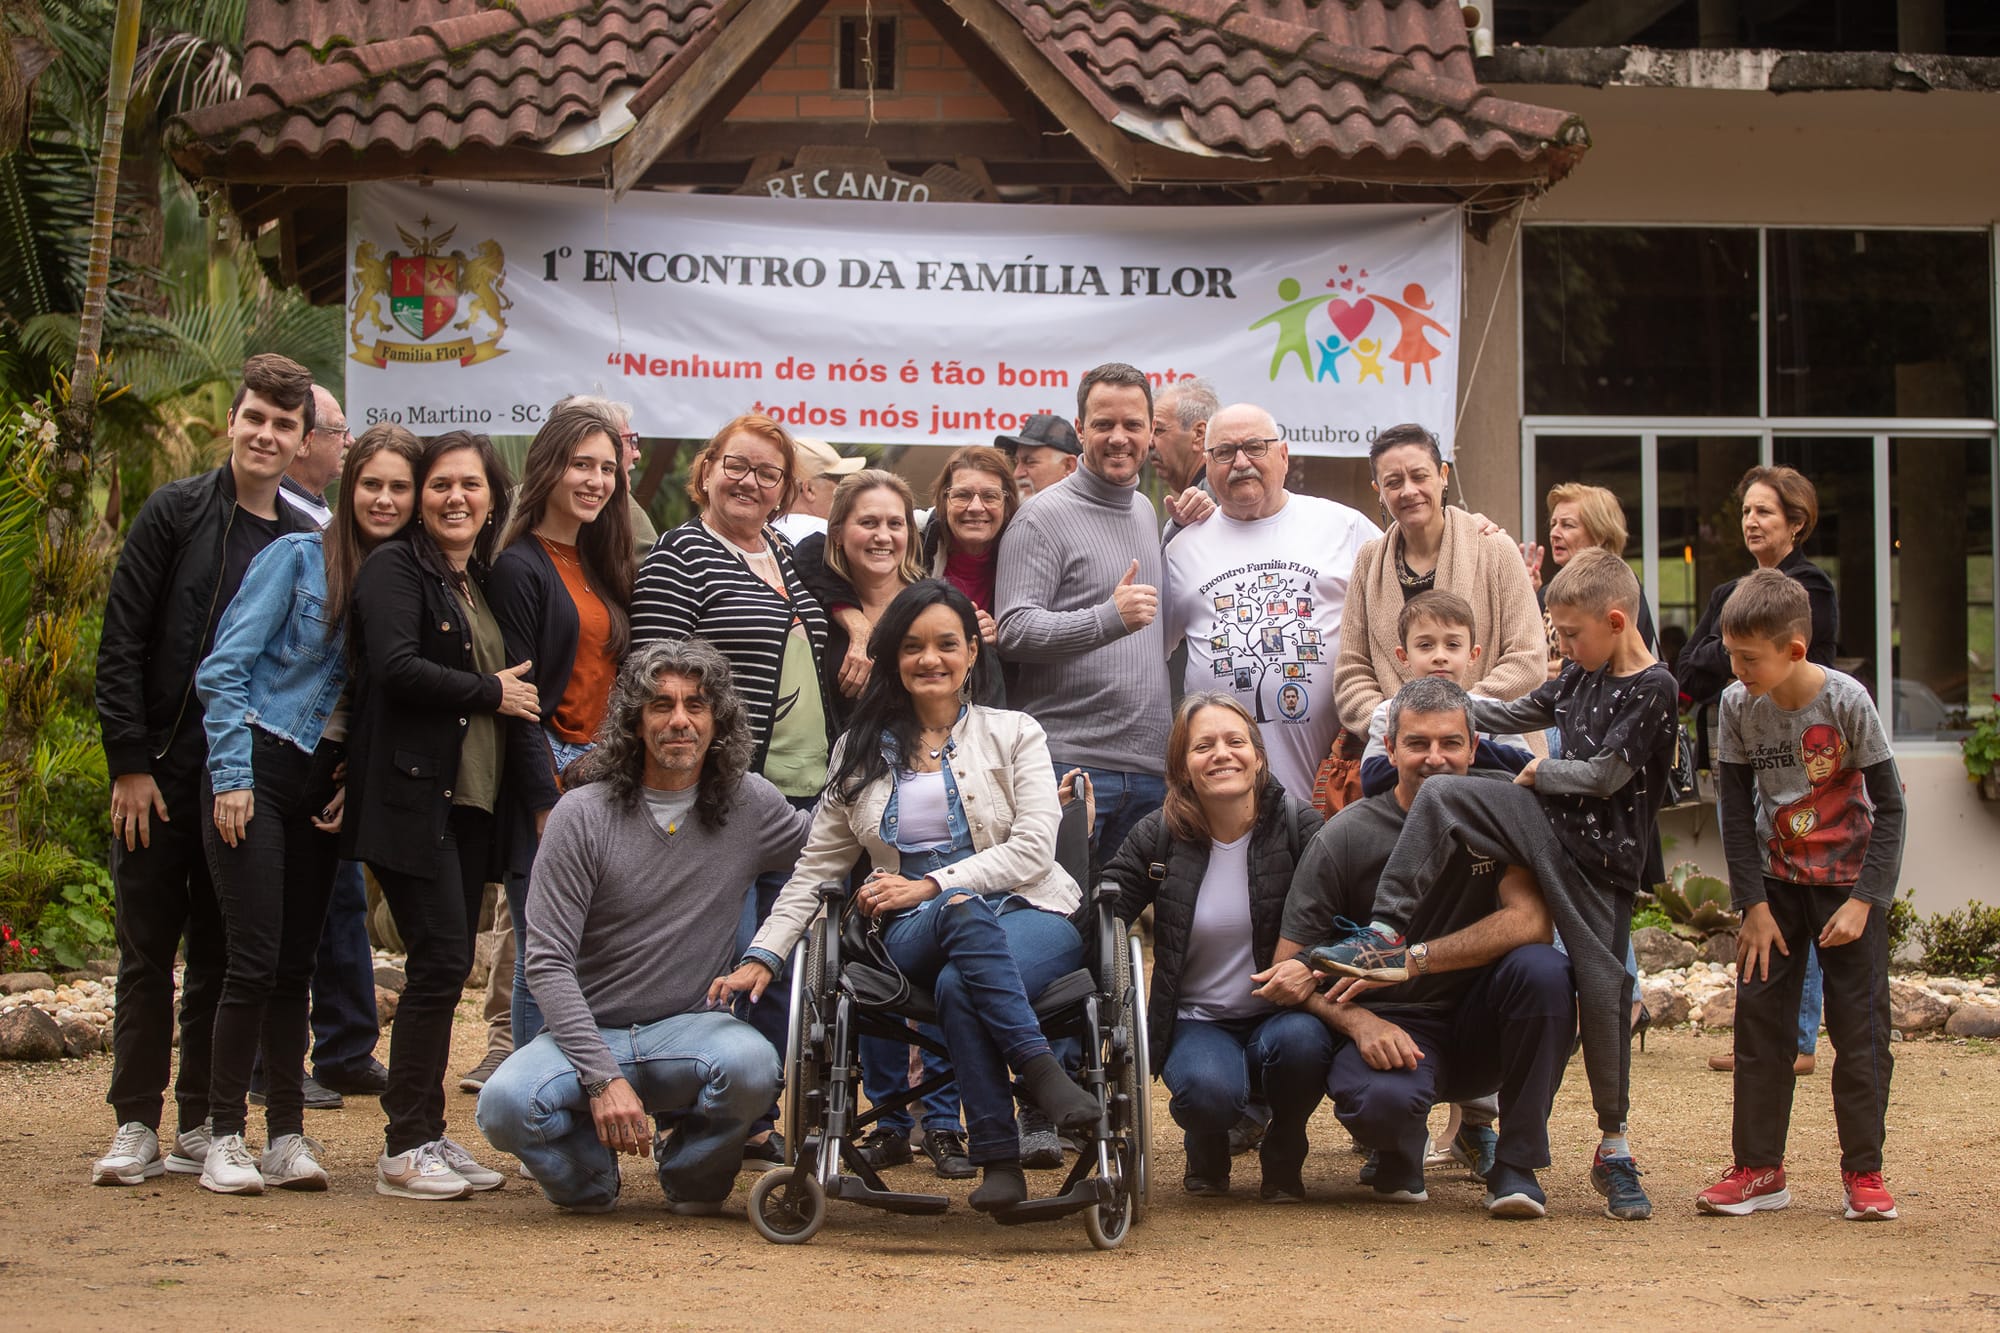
(1258, 589)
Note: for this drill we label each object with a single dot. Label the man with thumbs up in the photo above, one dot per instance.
(1078, 601)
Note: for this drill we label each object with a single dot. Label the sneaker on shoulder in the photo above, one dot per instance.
(1744, 1190)
(1513, 1193)
(191, 1149)
(134, 1157)
(1368, 953)
(1868, 1199)
(458, 1159)
(419, 1174)
(229, 1167)
(292, 1163)
(1617, 1179)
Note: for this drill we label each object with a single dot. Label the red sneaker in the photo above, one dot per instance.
(1745, 1189)
(1868, 1200)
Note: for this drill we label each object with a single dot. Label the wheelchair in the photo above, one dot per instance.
(837, 1000)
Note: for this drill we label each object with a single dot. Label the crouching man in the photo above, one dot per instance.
(633, 906)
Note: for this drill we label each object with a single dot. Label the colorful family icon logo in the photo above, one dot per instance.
(1351, 320)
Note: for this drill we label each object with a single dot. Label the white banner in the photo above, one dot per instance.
(896, 323)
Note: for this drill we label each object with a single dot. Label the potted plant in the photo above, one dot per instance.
(1981, 752)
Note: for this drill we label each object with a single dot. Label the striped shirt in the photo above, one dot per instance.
(1098, 689)
(695, 585)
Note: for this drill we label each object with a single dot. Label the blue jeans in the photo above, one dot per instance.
(344, 1029)
(1123, 799)
(1812, 999)
(1213, 1069)
(524, 1016)
(706, 1075)
(885, 1071)
(982, 966)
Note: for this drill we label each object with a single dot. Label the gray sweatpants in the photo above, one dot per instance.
(1506, 822)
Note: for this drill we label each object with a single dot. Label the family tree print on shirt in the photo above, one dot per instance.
(1263, 623)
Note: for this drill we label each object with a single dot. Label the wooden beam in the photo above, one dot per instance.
(1608, 22)
(761, 27)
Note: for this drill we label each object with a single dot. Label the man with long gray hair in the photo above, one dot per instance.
(634, 900)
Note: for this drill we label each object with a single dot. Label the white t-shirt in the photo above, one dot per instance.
(921, 814)
(798, 527)
(1215, 980)
(1259, 604)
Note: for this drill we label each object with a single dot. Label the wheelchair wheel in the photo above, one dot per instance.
(1136, 1075)
(802, 1064)
(787, 1206)
(1110, 1223)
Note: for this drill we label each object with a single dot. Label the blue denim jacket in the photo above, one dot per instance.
(954, 809)
(274, 664)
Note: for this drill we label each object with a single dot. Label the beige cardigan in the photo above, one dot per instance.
(1007, 783)
(1485, 571)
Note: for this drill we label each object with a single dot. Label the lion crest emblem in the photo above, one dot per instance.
(423, 287)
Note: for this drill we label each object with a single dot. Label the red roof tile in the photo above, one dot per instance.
(1384, 79)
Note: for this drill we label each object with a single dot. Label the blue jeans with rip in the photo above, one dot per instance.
(704, 1077)
(1123, 799)
(1213, 1068)
(982, 964)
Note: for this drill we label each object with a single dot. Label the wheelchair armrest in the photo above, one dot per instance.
(1107, 891)
(832, 890)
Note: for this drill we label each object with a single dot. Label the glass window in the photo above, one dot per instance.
(1843, 471)
(1610, 461)
(1881, 323)
(1632, 320)
(1700, 534)
(1941, 516)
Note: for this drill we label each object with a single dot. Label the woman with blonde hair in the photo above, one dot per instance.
(866, 556)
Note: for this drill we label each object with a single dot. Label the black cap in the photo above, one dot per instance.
(1043, 431)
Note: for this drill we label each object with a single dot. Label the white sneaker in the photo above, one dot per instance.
(191, 1149)
(133, 1160)
(419, 1174)
(292, 1163)
(523, 1172)
(458, 1159)
(229, 1167)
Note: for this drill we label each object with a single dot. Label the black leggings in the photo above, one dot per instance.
(436, 914)
(273, 887)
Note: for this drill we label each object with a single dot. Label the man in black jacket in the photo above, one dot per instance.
(183, 560)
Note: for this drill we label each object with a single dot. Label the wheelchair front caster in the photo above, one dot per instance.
(787, 1206)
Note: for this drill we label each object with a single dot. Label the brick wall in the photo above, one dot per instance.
(932, 83)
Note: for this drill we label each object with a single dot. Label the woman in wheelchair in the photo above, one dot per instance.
(1215, 863)
(955, 804)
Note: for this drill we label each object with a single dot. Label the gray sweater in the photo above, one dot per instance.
(1098, 689)
(627, 925)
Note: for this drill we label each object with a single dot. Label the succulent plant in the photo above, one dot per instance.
(1696, 902)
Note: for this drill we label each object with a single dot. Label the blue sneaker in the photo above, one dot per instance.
(1512, 1192)
(1473, 1148)
(1367, 953)
(1398, 1179)
(1617, 1179)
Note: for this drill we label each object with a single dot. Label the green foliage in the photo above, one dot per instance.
(1696, 903)
(65, 897)
(1981, 749)
(1902, 921)
(1650, 913)
(1964, 943)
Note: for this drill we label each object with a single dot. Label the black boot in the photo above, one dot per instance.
(1057, 1094)
(1003, 1187)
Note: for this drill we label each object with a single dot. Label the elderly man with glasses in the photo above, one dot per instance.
(1256, 591)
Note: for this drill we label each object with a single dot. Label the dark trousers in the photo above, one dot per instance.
(344, 1025)
(1510, 1033)
(1857, 1019)
(1214, 1069)
(272, 887)
(162, 893)
(1506, 822)
(436, 914)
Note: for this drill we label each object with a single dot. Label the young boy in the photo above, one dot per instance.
(1581, 823)
(1812, 823)
(1434, 633)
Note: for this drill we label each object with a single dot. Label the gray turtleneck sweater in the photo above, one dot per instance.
(1098, 689)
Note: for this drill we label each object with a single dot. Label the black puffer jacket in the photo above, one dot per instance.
(1284, 829)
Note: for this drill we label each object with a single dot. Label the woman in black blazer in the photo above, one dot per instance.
(434, 698)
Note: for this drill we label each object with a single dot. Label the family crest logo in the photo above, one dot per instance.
(424, 289)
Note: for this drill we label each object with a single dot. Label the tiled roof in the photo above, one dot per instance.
(1381, 79)
(1390, 77)
(325, 77)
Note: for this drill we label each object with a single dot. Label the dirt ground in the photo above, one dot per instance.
(167, 1255)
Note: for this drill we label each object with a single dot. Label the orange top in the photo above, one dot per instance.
(588, 693)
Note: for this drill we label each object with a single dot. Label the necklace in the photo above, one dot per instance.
(927, 733)
(562, 557)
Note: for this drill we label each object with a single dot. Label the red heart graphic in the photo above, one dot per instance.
(1364, 272)
(1347, 285)
(1343, 268)
(1351, 320)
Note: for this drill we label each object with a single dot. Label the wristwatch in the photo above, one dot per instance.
(1420, 958)
(596, 1089)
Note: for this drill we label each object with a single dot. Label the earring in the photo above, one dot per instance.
(965, 687)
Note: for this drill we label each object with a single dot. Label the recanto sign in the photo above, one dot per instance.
(863, 176)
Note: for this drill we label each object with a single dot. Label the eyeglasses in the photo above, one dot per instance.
(1222, 453)
(736, 468)
(960, 495)
(337, 432)
(630, 438)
